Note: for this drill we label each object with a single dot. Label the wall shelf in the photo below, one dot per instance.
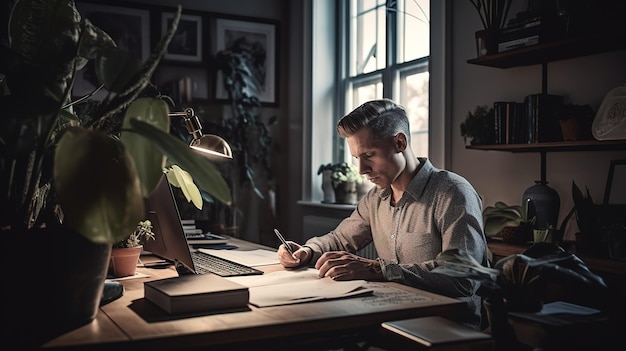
(562, 146)
(586, 145)
(553, 51)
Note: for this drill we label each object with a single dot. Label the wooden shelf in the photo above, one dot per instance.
(586, 145)
(553, 51)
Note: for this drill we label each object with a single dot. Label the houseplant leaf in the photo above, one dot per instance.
(149, 160)
(97, 185)
(204, 173)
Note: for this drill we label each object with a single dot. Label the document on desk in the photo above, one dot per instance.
(250, 258)
(297, 286)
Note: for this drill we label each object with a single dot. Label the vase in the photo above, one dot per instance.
(345, 193)
(486, 42)
(327, 186)
(123, 262)
(543, 203)
(56, 282)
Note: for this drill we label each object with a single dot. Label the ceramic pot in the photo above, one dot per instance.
(544, 203)
(55, 282)
(327, 187)
(124, 260)
(345, 193)
(486, 42)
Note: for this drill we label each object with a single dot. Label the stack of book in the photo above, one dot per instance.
(528, 29)
(509, 123)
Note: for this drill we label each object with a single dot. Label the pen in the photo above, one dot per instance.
(282, 239)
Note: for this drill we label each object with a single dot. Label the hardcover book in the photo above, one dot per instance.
(438, 333)
(196, 293)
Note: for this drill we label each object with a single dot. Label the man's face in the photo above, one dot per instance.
(381, 160)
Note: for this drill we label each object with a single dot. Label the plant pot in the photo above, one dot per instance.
(486, 42)
(327, 186)
(55, 281)
(345, 193)
(123, 261)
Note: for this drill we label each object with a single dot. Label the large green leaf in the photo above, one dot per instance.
(204, 173)
(149, 160)
(97, 185)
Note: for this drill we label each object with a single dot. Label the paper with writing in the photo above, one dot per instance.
(297, 286)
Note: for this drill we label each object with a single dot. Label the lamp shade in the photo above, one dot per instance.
(212, 146)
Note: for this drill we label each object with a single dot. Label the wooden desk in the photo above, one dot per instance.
(132, 321)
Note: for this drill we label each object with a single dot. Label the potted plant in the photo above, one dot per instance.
(510, 222)
(74, 174)
(345, 179)
(493, 14)
(523, 282)
(125, 253)
(326, 171)
(478, 126)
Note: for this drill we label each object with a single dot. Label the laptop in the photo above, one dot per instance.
(170, 241)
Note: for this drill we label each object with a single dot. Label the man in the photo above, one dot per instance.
(414, 212)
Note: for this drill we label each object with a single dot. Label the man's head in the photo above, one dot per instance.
(378, 135)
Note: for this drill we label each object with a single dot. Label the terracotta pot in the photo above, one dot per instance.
(123, 261)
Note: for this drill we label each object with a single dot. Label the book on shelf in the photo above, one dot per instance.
(509, 123)
(518, 43)
(543, 112)
(196, 293)
(438, 333)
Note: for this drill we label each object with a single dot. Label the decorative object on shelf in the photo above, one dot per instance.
(125, 253)
(576, 121)
(326, 170)
(610, 120)
(512, 223)
(544, 204)
(521, 282)
(493, 14)
(478, 126)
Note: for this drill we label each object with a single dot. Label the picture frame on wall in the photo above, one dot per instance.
(187, 44)
(259, 40)
(128, 27)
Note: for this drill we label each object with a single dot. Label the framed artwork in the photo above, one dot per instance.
(128, 27)
(615, 190)
(258, 39)
(186, 46)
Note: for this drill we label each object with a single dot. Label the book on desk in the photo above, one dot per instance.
(438, 333)
(196, 293)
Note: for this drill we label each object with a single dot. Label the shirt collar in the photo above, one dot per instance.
(417, 184)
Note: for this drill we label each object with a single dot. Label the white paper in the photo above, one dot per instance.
(297, 286)
(250, 258)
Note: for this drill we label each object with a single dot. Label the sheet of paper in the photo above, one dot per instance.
(297, 286)
(250, 258)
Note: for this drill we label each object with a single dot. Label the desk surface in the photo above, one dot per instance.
(131, 318)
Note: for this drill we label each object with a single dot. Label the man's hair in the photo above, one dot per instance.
(384, 117)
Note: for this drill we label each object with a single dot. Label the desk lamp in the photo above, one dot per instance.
(209, 145)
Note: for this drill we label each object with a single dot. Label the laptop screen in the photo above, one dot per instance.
(169, 241)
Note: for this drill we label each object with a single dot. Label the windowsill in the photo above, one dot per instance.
(325, 205)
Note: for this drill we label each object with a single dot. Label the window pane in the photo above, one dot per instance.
(413, 29)
(367, 36)
(414, 96)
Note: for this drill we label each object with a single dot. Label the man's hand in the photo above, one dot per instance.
(301, 255)
(342, 265)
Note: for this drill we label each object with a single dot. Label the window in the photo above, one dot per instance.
(386, 56)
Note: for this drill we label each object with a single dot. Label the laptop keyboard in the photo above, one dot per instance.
(206, 263)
